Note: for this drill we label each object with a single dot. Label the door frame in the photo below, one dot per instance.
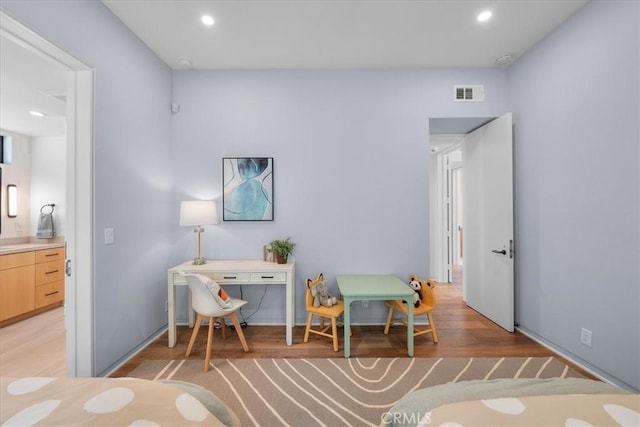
(455, 214)
(79, 195)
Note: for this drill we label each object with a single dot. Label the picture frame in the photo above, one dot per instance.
(267, 255)
(247, 189)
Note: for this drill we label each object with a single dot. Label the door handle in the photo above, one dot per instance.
(502, 252)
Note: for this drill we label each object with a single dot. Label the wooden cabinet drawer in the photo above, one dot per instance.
(230, 277)
(16, 260)
(47, 255)
(49, 293)
(16, 291)
(48, 272)
(277, 277)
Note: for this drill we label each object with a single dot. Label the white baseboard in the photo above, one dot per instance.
(131, 355)
(578, 362)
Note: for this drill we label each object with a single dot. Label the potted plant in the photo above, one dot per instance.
(282, 249)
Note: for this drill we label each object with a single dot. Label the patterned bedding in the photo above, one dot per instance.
(554, 410)
(524, 401)
(107, 401)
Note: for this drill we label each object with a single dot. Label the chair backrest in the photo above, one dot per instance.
(310, 285)
(202, 299)
(427, 294)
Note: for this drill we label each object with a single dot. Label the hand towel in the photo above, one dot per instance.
(46, 228)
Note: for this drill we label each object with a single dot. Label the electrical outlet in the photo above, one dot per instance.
(585, 337)
(365, 303)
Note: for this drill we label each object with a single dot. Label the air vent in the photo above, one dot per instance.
(468, 93)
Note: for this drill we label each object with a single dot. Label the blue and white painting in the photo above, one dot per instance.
(248, 189)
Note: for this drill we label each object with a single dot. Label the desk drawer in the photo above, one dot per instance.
(276, 277)
(230, 277)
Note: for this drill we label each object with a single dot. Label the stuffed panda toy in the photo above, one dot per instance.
(415, 284)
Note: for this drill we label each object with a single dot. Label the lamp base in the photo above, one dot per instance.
(199, 261)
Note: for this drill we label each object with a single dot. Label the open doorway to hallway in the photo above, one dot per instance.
(446, 175)
(484, 153)
(446, 201)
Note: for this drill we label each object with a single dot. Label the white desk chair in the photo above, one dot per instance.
(208, 305)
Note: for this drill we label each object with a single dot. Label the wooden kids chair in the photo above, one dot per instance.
(427, 305)
(332, 313)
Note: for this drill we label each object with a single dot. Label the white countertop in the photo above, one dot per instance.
(30, 246)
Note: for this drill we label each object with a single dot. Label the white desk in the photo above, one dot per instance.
(235, 272)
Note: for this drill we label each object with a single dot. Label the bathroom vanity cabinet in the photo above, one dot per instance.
(30, 282)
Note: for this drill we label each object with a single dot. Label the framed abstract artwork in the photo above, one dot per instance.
(248, 189)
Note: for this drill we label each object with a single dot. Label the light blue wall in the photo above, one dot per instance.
(350, 157)
(575, 103)
(132, 168)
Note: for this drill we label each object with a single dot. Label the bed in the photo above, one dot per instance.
(517, 402)
(109, 401)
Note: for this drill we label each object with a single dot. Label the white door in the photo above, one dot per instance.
(488, 221)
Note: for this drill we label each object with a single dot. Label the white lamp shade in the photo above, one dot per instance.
(200, 212)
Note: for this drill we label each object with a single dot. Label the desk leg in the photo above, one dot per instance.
(290, 305)
(172, 312)
(410, 328)
(347, 327)
(289, 326)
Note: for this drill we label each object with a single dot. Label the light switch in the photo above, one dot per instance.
(108, 236)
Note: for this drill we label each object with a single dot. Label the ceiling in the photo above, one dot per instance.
(29, 81)
(340, 33)
(319, 34)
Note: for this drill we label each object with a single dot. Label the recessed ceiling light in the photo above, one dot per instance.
(484, 16)
(207, 20)
(36, 113)
(186, 63)
(504, 59)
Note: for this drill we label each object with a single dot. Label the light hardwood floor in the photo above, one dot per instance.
(36, 346)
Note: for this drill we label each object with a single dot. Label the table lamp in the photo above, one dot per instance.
(198, 213)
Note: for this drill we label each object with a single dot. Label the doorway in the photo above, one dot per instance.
(485, 234)
(446, 175)
(79, 194)
(446, 202)
(446, 198)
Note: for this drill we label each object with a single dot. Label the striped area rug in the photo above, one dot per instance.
(335, 392)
